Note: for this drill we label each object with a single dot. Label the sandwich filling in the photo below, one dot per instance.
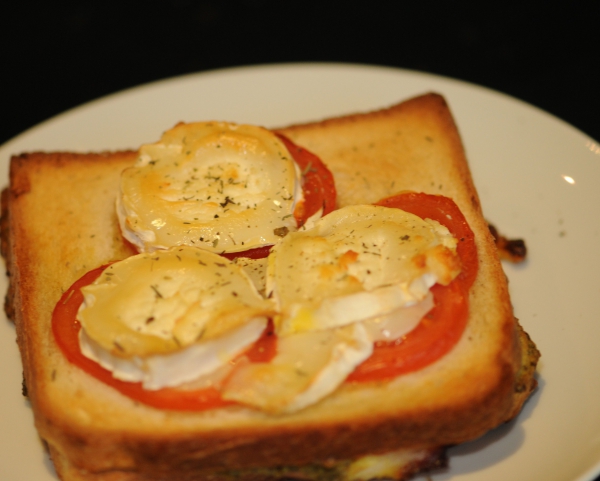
(169, 317)
(220, 186)
(361, 276)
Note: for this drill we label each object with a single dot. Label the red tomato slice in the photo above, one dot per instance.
(447, 213)
(443, 326)
(318, 184)
(65, 328)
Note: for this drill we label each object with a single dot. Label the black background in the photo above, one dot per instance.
(57, 55)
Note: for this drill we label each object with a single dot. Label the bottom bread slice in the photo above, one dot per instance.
(59, 222)
(398, 465)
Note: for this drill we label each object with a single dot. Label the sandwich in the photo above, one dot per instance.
(354, 329)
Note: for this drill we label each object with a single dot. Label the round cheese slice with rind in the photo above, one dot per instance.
(176, 303)
(220, 186)
(357, 263)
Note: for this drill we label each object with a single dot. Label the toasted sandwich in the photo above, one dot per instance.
(60, 223)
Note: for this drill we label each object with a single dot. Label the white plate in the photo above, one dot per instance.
(538, 178)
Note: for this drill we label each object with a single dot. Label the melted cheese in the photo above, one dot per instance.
(167, 317)
(390, 465)
(358, 262)
(215, 185)
(256, 270)
(308, 366)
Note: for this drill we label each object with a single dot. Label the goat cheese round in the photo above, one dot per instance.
(220, 186)
(357, 263)
(169, 316)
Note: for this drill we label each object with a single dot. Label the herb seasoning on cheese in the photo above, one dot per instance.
(215, 185)
(167, 317)
(357, 263)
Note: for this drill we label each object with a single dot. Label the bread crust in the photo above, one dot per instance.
(59, 222)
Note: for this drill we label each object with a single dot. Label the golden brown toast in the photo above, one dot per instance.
(60, 222)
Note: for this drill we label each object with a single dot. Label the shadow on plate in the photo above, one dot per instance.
(490, 449)
(43, 448)
(49, 465)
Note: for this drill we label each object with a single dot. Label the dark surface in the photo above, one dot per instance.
(57, 55)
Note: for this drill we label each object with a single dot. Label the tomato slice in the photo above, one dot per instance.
(66, 327)
(318, 184)
(446, 212)
(443, 326)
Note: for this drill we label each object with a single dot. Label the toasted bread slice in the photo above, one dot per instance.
(61, 222)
